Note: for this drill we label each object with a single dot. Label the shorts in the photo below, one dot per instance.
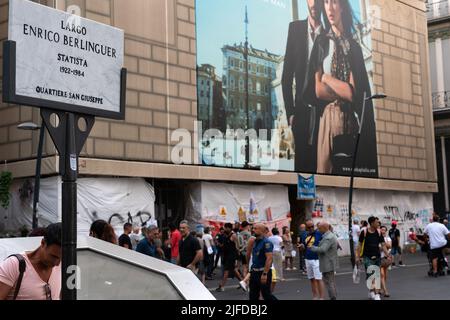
(312, 270)
(371, 262)
(396, 250)
(436, 253)
(229, 264)
(243, 258)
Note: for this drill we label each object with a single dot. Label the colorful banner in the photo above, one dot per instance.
(306, 188)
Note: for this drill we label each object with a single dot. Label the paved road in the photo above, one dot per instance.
(405, 283)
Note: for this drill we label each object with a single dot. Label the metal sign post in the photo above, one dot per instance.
(69, 139)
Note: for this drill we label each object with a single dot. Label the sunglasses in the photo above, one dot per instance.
(48, 292)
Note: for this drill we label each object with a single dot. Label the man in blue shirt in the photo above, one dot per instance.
(147, 245)
(310, 239)
(261, 273)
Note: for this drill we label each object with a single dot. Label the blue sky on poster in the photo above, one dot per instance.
(221, 22)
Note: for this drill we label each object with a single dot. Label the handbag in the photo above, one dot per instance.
(386, 262)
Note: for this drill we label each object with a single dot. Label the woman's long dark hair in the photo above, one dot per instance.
(102, 230)
(347, 17)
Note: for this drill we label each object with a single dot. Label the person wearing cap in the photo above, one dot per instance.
(394, 234)
(147, 245)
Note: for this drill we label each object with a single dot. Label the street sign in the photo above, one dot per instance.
(71, 67)
(63, 62)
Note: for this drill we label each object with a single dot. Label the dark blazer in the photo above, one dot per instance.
(295, 67)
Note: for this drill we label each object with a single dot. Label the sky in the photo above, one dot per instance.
(221, 22)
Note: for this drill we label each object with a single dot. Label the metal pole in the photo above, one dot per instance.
(352, 176)
(37, 178)
(294, 10)
(69, 211)
(247, 138)
(444, 172)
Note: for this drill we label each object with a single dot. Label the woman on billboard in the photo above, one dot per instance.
(340, 83)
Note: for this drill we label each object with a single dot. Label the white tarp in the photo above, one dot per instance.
(221, 202)
(410, 210)
(114, 199)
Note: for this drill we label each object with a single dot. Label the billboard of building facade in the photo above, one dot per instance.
(293, 77)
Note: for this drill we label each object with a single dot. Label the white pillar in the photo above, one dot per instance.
(440, 72)
(435, 4)
(363, 6)
(448, 6)
(444, 172)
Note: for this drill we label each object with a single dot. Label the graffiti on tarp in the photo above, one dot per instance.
(341, 231)
(144, 218)
(423, 217)
(410, 216)
(318, 208)
(392, 213)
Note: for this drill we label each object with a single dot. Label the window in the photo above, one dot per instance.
(202, 82)
(258, 87)
(258, 106)
(224, 80)
(208, 83)
(201, 94)
(231, 82)
(241, 65)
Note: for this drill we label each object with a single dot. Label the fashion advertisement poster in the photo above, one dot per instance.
(281, 85)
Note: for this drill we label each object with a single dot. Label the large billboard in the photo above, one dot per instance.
(281, 85)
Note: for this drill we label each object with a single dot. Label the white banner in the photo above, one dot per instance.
(115, 199)
(235, 202)
(410, 210)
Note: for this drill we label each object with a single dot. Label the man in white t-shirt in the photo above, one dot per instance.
(438, 235)
(208, 255)
(277, 242)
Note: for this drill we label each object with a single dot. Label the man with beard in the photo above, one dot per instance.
(302, 117)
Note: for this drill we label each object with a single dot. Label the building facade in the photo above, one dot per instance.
(438, 14)
(162, 96)
(262, 66)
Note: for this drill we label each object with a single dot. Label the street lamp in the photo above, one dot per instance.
(352, 175)
(37, 179)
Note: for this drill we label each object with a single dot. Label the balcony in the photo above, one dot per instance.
(441, 101)
(438, 10)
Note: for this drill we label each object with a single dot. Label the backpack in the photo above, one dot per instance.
(22, 268)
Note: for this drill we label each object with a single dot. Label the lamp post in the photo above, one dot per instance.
(247, 100)
(352, 175)
(37, 179)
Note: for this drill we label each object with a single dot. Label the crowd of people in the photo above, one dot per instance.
(251, 253)
(259, 258)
